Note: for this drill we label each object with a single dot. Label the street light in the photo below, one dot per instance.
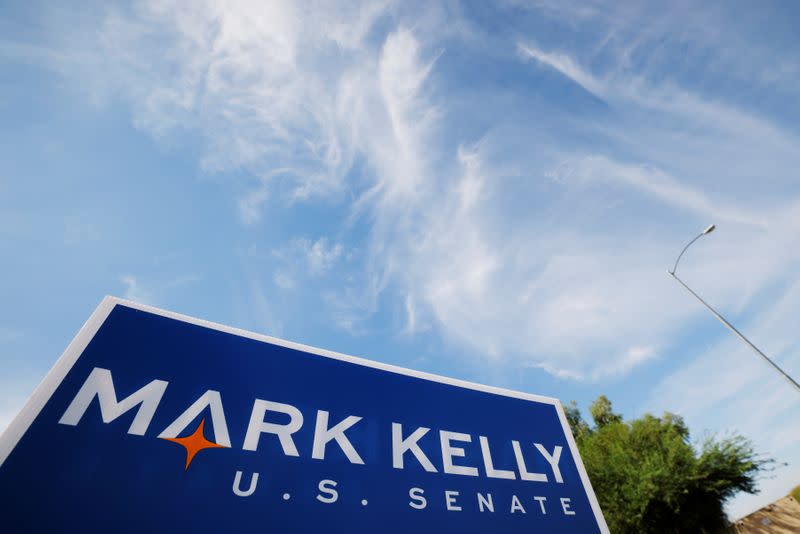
(733, 329)
(708, 230)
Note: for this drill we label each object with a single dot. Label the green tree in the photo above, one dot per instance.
(602, 412)
(576, 422)
(649, 477)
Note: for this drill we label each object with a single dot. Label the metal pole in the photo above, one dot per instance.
(735, 331)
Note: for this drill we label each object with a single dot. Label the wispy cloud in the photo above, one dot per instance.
(321, 256)
(155, 290)
(259, 80)
(297, 106)
(284, 281)
(633, 357)
(564, 64)
(460, 227)
(656, 183)
(313, 258)
(263, 308)
(134, 290)
(251, 205)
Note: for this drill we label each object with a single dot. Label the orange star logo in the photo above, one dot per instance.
(194, 443)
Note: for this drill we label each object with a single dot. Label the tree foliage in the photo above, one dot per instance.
(649, 477)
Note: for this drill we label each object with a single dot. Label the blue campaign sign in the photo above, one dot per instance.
(157, 422)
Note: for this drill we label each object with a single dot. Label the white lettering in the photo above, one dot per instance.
(552, 460)
(450, 499)
(516, 505)
(210, 399)
(565, 506)
(523, 472)
(100, 384)
(323, 434)
(541, 503)
(491, 472)
(448, 452)
(257, 426)
(418, 502)
(237, 488)
(326, 487)
(400, 446)
(485, 501)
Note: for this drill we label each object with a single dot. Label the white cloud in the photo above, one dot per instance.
(557, 371)
(134, 290)
(411, 315)
(564, 302)
(257, 80)
(314, 257)
(655, 182)
(252, 204)
(733, 366)
(148, 293)
(633, 357)
(283, 281)
(654, 37)
(566, 275)
(263, 308)
(564, 64)
(321, 256)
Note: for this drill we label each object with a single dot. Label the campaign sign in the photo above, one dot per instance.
(156, 422)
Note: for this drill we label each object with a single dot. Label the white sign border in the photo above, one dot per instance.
(24, 419)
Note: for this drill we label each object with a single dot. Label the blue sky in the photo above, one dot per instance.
(489, 193)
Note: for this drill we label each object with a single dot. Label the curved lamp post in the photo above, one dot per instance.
(733, 329)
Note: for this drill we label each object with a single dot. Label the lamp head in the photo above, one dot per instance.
(710, 229)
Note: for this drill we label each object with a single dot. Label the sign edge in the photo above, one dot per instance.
(19, 425)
